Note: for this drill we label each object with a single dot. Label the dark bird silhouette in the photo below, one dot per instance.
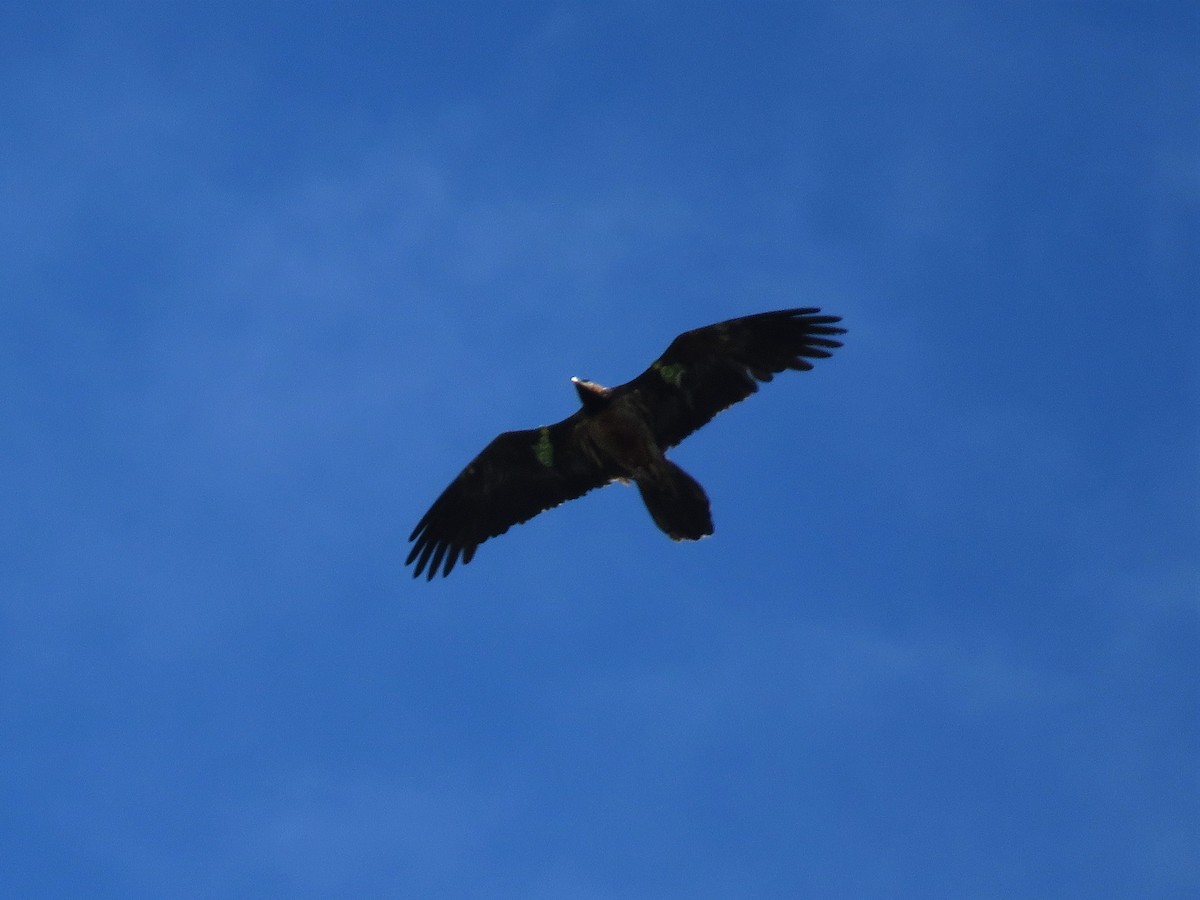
(620, 434)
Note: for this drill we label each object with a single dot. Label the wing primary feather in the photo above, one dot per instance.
(436, 559)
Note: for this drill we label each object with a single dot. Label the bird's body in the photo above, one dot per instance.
(617, 437)
(621, 434)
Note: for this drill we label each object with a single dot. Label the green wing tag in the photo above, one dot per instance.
(543, 449)
(671, 374)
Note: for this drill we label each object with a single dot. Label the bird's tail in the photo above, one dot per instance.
(676, 501)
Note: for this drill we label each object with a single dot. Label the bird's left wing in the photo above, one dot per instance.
(517, 476)
(709, 369)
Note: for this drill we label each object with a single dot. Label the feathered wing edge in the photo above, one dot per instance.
(517, 476)
(707, 370)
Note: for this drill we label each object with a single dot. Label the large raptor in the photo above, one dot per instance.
(620, 434)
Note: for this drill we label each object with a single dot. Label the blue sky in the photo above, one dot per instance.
(274, 272)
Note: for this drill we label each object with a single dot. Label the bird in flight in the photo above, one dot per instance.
(620, 434)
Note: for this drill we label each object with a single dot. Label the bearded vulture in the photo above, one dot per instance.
(620, 434)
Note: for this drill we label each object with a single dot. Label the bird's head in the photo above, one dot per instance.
(593, 396)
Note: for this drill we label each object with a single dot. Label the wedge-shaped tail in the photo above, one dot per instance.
(676, 501)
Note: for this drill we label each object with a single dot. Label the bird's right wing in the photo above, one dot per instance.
(517, 476)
